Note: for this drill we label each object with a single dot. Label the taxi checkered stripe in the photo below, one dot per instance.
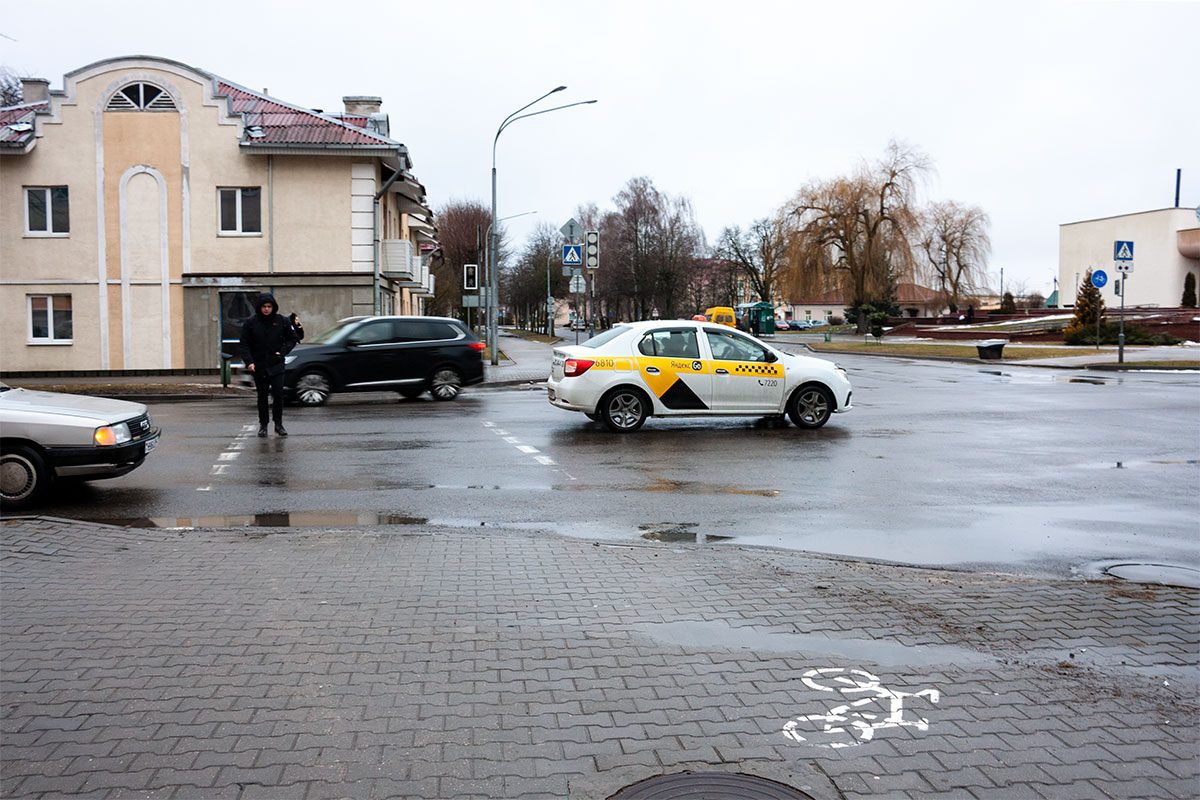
(756, 369)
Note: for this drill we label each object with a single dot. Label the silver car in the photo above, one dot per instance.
(48, 435)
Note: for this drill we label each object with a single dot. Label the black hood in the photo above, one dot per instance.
(265, 297)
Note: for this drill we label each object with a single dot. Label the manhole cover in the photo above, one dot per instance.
(709, 786)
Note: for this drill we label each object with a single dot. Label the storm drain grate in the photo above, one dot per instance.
(709, 786)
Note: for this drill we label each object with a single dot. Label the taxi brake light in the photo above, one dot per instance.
(576, 366)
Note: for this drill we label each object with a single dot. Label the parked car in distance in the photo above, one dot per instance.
(673, 368)
(817, 323)
(782, 325)
(46, 436)
(409, 355)
(800, 324)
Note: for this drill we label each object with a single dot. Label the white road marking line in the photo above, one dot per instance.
(511, 439)
(545, 460)
(228, 456)
(219, 469)
(524, 448)
(203, 488)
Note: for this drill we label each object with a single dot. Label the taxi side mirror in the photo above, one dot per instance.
(771, 357)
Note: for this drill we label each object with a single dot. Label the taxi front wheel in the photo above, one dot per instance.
(624, 410)
(810, 407)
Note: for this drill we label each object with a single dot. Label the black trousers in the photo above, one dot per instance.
(272, 384)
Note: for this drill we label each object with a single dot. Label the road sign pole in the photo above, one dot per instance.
(1121, 333)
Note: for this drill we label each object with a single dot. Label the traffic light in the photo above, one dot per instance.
(591, 249)
(471, 277)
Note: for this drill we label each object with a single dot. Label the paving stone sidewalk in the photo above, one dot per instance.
(415, 662)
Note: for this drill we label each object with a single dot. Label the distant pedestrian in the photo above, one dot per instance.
(297, 328)
(266, 338)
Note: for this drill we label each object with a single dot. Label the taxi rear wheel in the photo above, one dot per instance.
(810, 407)
(624, 410)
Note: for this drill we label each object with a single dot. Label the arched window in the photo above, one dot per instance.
(141, 97)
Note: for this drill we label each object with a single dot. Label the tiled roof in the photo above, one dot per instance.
(16, 124)
(271, 122)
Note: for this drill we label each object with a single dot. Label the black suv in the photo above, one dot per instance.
(409, 355)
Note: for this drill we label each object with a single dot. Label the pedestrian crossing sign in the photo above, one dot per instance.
(1122, 251)
(572, 254)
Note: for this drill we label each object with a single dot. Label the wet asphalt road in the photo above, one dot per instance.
(1044, 472)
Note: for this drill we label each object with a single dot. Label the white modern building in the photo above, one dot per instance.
(1166, 247)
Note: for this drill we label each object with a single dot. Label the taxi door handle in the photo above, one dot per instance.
(721, 371)
(652, 370)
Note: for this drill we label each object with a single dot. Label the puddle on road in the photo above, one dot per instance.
(678, 532)
(293, 519)
(1042, 378)
(876, 651)
(674, 487)
(1140, 464)
(1146, 572)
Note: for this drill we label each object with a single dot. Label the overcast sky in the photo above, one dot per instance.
(1041, 113)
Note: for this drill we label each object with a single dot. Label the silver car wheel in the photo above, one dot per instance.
(21, 476)
(445, 384)
(624, 411)
(811, 407)
(312, 389)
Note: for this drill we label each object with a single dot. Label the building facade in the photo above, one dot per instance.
(1166, 248)
(145, 204)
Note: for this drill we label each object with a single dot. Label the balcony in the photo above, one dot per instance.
(398, 262)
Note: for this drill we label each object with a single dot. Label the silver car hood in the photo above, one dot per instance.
(101, 409)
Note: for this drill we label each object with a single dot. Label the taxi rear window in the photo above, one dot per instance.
(606, 336)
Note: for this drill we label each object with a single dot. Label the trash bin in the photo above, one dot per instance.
(990, 349)
(828, 336)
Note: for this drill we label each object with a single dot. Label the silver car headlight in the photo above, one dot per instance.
(110, 435)
(288, 359)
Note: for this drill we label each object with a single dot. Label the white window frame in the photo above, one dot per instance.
(41, 340)
(49, 232)
(237, 190)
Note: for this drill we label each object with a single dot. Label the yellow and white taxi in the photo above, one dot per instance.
(669, 368)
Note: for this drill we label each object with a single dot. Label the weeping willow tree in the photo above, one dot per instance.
(854, 233)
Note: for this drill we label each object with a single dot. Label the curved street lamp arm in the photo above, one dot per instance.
(518, 111)
(511, 119)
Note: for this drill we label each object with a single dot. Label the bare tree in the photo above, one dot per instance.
(856, 230)
(760, 253)
(461, 228)
(954, 244)
(10, 87)
(647, 251)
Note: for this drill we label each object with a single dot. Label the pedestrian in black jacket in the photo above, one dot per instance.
(266, 338)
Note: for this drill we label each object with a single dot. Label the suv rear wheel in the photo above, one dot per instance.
(445, 384)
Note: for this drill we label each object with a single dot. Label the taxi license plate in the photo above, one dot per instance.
(150, 445)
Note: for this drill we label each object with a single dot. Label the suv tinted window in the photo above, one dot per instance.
(379, 331)
(425, 330)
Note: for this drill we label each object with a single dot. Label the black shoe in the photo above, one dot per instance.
(279, 430)
(262, 430)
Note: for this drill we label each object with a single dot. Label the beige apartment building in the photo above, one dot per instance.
(145, 203)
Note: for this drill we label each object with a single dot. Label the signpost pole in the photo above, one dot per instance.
(1121, 335)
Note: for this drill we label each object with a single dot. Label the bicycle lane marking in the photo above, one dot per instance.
(850, 724)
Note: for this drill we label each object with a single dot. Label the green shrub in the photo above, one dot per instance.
(1109, 334)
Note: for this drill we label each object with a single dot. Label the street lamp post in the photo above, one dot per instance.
(493, 294)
